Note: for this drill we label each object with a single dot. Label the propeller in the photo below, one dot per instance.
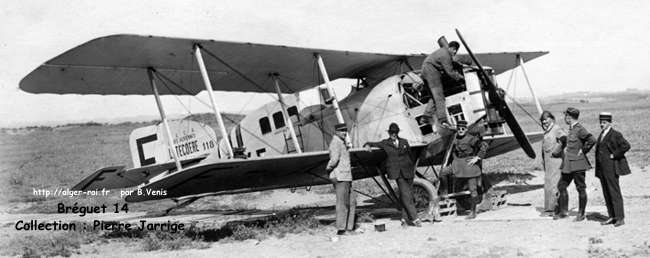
(499, 103)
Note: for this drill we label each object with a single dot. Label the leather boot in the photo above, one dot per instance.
(582, 205)
(472, 213)
(563, 207)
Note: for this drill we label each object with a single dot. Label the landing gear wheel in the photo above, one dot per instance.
(426, 198)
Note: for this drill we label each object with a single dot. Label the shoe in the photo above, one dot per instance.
(559, 216)
(619, 222)
(579, 218)
(351, 233)
(417, 223)
(472, 213)
(608, 221)
(341, 232)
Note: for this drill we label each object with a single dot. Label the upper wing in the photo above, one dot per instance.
(240, 175)
(117, 65)
(499, 62)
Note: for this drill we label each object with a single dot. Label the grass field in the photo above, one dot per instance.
(45, 157)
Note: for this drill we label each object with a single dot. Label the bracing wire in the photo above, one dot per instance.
(207, 105)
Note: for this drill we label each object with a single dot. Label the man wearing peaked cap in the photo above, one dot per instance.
(400, 167)
(610, 164)
(574, 164)
(468, 150)
(341, 175)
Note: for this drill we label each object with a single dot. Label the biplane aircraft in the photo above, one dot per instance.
(283, 144)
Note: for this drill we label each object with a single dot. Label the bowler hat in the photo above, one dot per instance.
(341, 127)
(393, 128)
(605, 116)
(573, 112)
(461, 123)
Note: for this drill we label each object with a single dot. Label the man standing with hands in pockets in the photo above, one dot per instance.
(341, 176)
(610, 164)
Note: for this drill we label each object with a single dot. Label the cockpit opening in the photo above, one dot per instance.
(416, 93)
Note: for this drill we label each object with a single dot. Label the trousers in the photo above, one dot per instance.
(578, 177)
(346, 203)
(405, 186)
(613, 197)
(436, 106)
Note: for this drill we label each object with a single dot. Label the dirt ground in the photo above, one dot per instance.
(518, 229)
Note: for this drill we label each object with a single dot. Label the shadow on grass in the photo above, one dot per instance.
(513, 189)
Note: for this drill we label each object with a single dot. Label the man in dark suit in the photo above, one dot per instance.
(400, 167)
(574, 164)
(610, 164)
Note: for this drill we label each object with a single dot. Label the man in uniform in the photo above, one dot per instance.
(435, 66)
(574, 164)
(610, 164)
(400, 167)
(341, 175)
(468, 151)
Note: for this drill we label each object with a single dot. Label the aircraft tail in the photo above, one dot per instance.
(149, 144)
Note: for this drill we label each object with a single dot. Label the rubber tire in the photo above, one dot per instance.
(424, 189)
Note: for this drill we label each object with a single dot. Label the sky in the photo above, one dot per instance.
(594, 45)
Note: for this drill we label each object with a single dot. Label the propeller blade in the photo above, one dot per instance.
(500, 103)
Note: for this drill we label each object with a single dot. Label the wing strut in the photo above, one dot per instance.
(286, 114)
(208, 86)
(521, 64)
(163, 117)
(330, 91)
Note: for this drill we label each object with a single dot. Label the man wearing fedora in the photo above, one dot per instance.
(400, 167)
(341, 176)
(574, 164)
(468, 151)
(610, 164)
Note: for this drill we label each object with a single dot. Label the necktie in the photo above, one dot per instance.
(600, 137)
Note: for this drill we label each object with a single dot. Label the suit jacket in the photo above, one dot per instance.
(339, 163)
(613, 144)
(399, 162)
(442, 61)
(578, 139)
(466, 148)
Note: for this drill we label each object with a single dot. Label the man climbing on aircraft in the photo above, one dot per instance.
(435, 66)
(399, 167)
(341, 175)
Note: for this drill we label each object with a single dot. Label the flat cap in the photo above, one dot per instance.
(461, 123)
(573, 112)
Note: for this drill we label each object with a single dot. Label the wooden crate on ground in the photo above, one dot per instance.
(493, 200)
(447, 207)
